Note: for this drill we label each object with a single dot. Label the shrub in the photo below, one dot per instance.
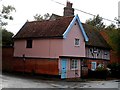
(114, 69)
(99, 73)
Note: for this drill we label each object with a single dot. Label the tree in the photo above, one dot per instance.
(114, 69)
(5, 14)
(110, 27)
(117, 21)
(7, 38)
(114, 39)
(39, 17)
(97, 22)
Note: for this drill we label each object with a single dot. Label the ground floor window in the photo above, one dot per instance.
(73, 64)
(93, 66)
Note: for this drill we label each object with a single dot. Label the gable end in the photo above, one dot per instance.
(71, 25)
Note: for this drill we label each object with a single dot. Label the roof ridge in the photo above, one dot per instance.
(51, 20)
(37, 21)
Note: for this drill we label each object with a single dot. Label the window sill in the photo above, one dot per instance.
(77, 45)
(74, 69)
(93, 69)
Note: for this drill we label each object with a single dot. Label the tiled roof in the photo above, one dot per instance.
(56, 28)
(54, 16)
(95, 38)
(44, 29)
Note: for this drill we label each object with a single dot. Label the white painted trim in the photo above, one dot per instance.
(74, 64)
(74, 42)
(71, 25)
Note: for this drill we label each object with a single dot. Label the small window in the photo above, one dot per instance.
(95, 50)
(29, 44)
(93, 66)
(74, 64)
(105, 53)
(77, 42)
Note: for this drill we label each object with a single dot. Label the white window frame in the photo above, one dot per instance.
(74, 64)
(77, 42)
(93, 68)
(106, 55)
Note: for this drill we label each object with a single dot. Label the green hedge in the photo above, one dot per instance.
(115, 70)
(99, 73)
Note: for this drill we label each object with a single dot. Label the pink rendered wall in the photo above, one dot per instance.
(69, 49)
(70, 73)
(19, 48)
(44, 48)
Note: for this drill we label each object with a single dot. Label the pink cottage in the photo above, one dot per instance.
(59, 46)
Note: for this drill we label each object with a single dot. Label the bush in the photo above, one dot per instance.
(114, 69)
(99, 73)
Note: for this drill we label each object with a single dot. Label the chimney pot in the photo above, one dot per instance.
(68, 10)
(69, 4)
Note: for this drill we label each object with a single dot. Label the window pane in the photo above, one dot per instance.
(77, 42)
(93, 65)
(73, 64)
(29, 44)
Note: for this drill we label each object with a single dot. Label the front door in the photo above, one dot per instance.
(63, 68)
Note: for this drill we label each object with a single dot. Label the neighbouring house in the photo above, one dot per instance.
(60, 46)
(114, 57)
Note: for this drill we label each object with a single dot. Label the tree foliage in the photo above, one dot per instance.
(5, 13)
(117, 21)
(39, 17)
(110, 27)
(114, 69)
(115, 39)
(7, 38)
(97, 22)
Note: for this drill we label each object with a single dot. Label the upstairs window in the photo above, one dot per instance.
(77, 42)
(29, 43)
(106, 55)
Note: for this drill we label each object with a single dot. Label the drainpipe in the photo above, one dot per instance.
(24, 63)
(81, 67)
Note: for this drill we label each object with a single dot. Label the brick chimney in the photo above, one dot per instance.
(68, 10)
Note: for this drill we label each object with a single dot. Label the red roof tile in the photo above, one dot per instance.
(95, 38)
(44, 29)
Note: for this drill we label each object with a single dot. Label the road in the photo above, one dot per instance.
(12, 81)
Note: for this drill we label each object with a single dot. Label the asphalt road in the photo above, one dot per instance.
(8, 82)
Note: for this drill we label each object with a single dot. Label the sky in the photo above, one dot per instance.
(26, 9)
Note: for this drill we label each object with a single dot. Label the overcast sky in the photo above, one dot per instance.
(26, 9)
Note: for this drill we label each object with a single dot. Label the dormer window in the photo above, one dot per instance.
(77, 42)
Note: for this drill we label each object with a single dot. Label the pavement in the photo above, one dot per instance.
(18, 81)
